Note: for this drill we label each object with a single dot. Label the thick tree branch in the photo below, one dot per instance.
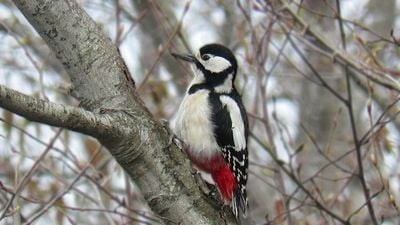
(72, 118)
(101, 81)
(86, 54)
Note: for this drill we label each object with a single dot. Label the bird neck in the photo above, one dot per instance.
(219, 83)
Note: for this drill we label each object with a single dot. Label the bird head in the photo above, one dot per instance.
(213, 62)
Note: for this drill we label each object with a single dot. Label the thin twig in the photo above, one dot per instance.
(165, 47)
(317, 203)
(30, 58)
(357, 143)
(66, 189)
(33, 169)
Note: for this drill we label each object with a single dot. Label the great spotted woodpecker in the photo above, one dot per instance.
(212, 122)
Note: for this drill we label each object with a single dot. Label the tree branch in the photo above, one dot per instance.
(39, 110)
(88, 56)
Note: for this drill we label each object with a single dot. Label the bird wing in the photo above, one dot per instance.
(231, 130)
(237, 122)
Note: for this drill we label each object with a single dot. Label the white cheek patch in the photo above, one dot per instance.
(216, 64)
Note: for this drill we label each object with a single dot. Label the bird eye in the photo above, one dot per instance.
(205, 57)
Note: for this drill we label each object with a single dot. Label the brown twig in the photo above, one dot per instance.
(34, 167)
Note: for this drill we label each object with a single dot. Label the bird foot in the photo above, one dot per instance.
(172, 139)
(208, 190)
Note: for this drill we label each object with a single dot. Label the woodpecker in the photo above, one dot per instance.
(213, 124)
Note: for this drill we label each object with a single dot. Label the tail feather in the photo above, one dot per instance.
(231, 193)
(239, 203)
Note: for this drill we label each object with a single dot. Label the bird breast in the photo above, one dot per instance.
(194, 126)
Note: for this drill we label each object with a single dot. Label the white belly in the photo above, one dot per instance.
(193, 124)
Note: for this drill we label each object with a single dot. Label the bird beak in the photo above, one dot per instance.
(185, 57)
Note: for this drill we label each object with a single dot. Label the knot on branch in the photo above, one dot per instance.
(162, 202)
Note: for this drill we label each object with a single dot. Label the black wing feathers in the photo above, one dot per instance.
(222, 122)
(237, 160)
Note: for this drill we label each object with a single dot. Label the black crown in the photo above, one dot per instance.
(219, 50)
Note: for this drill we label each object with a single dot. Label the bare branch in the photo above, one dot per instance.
(38, 110)
(28, 175)
(293, 21)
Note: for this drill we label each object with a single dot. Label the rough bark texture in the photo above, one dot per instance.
(73, 118)
(113, 112)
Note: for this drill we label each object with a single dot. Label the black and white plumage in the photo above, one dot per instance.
(212, 122)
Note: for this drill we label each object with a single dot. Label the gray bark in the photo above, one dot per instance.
(112, 112)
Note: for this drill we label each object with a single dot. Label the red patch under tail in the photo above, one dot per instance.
(220, 172)
(225, 182)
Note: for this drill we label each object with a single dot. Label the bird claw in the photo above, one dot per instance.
(172, 139)
(178, 142)
(213, 197)
(165, 125)
(208, 190)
